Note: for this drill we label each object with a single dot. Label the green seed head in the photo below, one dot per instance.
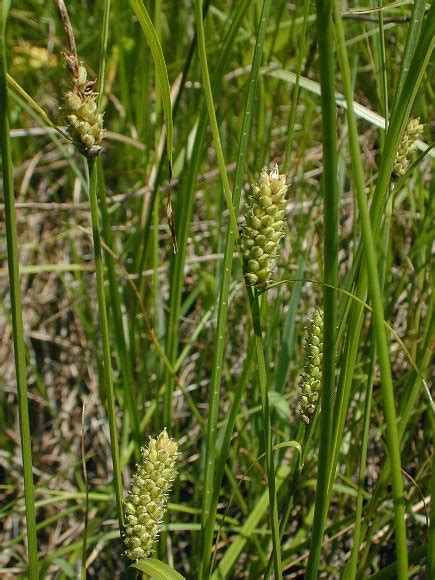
(264, 227)
(85, 122)
(145, 502)
(309, 389)
(407, 147)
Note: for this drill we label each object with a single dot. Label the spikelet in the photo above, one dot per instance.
(85, 122)
(145, 502)
(309, 389)
(264, 227)
(405, 152)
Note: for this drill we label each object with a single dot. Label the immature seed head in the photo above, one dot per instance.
(309, 389)
(407, 146)
(145, 502)
(264, 227)
(85, 122)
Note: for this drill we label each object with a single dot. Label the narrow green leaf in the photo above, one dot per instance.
(360, 111)
(162, 73)
(157, 569)
(16, 306)
(18, 89)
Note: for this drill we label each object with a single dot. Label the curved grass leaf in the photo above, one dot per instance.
(157, 569)
(162, 73)
(359, 110)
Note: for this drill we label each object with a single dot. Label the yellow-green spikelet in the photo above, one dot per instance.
(264, 226)
(309, 389)
(85, 122)
(405, 152)
(145, 503)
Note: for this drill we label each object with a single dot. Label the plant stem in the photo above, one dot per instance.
(16, 309)
(295, 92)
(330, 274)
(104, 328)
(350, 571)
(267, 432)
(212, 115)
(208, 517)
(375, 292)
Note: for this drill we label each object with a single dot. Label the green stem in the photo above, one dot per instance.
(417, 53)
(431, 543)
(382, 57)
(212, 115)
(116, 309)
(208, 515)
(295, 93)
(414, 29)
(377, 304)
(267, 433)
(350, 572)
(16, 308)
(330, 275)
(226, 440)
(104, 328)
(303, 437)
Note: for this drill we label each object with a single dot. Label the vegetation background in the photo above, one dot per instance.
(187, 351)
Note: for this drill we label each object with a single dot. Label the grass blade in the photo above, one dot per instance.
(207, 517)
(330, 275)
(16, 307)
(370, 260)
(159, 60)
(212, 115)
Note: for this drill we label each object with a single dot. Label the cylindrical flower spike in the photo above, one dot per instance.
(145, 503)
(309, 389)
(407, 146)
(264, 227)
(85, 122)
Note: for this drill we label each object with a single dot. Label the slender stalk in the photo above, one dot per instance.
(295, 92)
(382, 57)
(86, 510)
(375, 292)
(116, 309)
(431, 543)
(184, 217)
(99, 274)
(212, 114)
(353, 561)
(414, 30)
(417, 52)
(267, 433)
(330, 274)
(103, 53)
(105, 340)
(208, 517)
(114, 292)
(16, 308)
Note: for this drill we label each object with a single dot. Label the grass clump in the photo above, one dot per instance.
(306, 444)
